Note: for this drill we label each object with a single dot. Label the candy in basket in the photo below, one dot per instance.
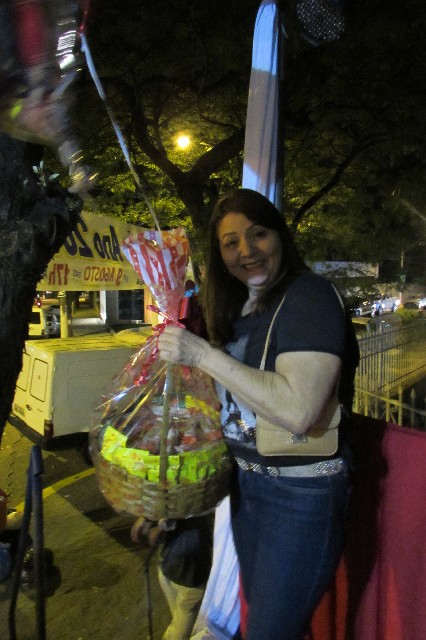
(157, 443)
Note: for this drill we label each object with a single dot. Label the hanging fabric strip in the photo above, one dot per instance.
(264, 137)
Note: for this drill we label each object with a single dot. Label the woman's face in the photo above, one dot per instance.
(251, 253)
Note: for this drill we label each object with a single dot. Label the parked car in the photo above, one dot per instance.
(359, 307)
(411, 302)
(422, 304)
(384, 304)
(53, 320)
(44, 323)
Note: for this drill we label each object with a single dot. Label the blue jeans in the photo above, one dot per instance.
(289, 535)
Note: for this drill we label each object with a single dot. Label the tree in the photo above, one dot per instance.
(355, 132)
(184, 68)
(353, 117)
(36, 215)
(354, 136)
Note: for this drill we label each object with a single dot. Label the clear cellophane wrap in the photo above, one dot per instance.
(157, 443)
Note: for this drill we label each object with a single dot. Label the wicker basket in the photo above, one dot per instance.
(140, 476)
(155, 500)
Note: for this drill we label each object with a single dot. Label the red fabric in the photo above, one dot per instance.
(383, 573)
(31, 31)
(243, 612)
(380, 586)
(392, 605)
(329, 620)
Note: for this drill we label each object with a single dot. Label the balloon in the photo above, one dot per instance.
(38, 63)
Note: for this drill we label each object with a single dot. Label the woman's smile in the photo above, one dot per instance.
(252, 253)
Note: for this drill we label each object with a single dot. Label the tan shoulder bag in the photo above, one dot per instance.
(321, 440)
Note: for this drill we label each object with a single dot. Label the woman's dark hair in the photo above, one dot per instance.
(224, 295)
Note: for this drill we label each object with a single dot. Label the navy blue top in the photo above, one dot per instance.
(311, 319)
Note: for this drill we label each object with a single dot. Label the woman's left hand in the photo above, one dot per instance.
(180, 346)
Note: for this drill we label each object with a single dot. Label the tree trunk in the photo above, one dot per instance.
(36, 215)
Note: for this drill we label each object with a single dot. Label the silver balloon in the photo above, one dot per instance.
(36, 95)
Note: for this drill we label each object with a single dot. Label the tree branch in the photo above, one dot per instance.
(333, 182)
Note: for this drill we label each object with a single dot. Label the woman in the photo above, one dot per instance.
(287, 512)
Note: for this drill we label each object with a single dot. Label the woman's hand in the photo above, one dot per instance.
(141, 528)
(182, 347)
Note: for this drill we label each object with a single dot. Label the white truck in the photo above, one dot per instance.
(62, 380)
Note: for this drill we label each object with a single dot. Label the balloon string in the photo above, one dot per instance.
(86, 9)
(95, 77)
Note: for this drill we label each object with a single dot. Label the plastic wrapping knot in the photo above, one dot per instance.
(145, 372)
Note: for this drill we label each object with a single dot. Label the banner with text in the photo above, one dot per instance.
(91, 258)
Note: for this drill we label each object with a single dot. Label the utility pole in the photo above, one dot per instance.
(65, 314)
(402, 275)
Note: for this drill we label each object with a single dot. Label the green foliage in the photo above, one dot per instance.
(354, 121)
(44, 177)
(408, 315)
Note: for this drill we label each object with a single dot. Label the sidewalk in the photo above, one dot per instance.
(96, 588)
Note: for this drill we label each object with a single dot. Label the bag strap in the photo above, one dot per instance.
(268, 336)
(339, 297)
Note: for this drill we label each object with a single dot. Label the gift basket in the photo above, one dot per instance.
(157, 443)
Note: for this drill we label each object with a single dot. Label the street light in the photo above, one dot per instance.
(183, 141)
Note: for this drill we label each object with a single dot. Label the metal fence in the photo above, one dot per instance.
(392, 362)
